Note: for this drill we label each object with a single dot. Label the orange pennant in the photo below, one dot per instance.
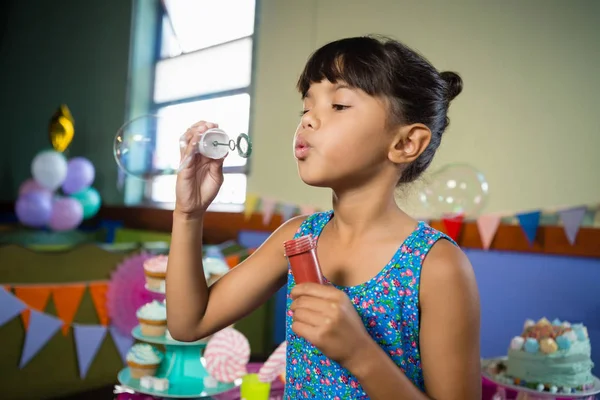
(67, 299)
(232, 260)
(35, 297)
(6, 287)
(98, 292)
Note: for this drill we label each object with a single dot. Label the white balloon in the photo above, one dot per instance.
(49, 169)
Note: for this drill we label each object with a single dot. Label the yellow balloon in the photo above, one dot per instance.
(62, 129)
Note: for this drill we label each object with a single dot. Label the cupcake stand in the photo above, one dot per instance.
(183, 365)
(504, 389)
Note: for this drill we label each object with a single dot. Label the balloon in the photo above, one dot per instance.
(67, 214)
(457, 189)
(49, 169)
(80, 175)
(61, 129)
(31, 185)
(90, 201)
(34, 208)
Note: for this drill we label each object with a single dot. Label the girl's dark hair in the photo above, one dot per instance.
(386, 68)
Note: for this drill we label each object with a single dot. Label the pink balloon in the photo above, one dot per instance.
(31, 185)
(67, 214)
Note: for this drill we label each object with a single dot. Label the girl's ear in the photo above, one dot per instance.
(408, 143)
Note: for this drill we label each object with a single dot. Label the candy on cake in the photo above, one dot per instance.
(143, 360)
(153, 318)
(160, 384)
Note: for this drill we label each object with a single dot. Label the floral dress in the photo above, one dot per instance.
(388, 305)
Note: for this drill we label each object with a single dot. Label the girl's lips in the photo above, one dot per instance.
(301, 148)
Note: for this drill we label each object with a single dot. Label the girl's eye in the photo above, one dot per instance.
(339, 107)
(303, 112)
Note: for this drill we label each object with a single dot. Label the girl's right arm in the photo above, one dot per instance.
(196, 311)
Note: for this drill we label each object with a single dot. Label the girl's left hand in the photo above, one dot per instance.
(324, 316)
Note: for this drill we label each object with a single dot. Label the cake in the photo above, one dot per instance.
(214, 269)
(155, 270)
(153, 318)
(143, 360)
(551, 356)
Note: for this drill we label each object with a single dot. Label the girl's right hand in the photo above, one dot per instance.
(199, 181)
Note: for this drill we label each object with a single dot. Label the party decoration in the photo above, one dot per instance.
(287, 211)
(307, 210)
(67, 214)
(571, 219)
(10, 306)
(98, 293)
(88, 339)
(61, 129)
(453, 226)
(488, 225)
(36, 297)
(42, 328)
(30, 185)
(126, 293)
(80, 175)
(457, 189)
(275, 364)
(250, 205)
(268, 209)
(67, 299)
(227, 355)
(49, 169)
(529, 223)
(34, 208)
(122, 342)
(90, 200)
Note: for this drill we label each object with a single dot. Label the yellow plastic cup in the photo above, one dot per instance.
(253, 389)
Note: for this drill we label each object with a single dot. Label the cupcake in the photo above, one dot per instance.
(214, 269)
(153, 318)
(155, 270)
(143, 360)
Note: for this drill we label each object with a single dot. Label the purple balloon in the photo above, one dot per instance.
(80, 175)
(31, 185)
(34, 208)
(67, 214)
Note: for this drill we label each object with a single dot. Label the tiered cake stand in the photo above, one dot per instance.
(183, 366)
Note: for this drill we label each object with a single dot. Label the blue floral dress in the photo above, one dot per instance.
(389, 307)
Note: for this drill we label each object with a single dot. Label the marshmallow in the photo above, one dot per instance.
(146, 381)
(210, 382)
(553, 389)
(543, 322)
(540, 387)
(566, 324)
(529, 323)
(581, 333)
(571, 335)
(563, 342)
(548, 346)
(517, 343)
(161, 384)
(531, 345)
(556, 322)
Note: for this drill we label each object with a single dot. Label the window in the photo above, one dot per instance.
(203, 71)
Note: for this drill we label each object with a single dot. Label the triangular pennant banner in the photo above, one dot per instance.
(232, 260)
(36, 297)
(88, 339)
(287, 211)
(596, 222)
(571, 219)
(6, 287)
(529, 223)
(307, 210)
(10, 306)
(487, 226)
(453, 226)
(98, 293)
(250, 205)
(67, 299)
(122, 342)
(268, 209)
(41, 329)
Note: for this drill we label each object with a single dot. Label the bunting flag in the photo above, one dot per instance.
(487, 226)
(250, 205)
(98, 293)
(6, 287)
(268, 206)
(571, 219)
(597, 218)
(41, 329)
(529, 223)
(88, 339)
(36, 297)
(307, 210)
(287, 211)
(453, 226)
(122, 342)
(10, 306)
(67, 299)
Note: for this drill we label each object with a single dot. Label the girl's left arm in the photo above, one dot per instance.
(449, 336)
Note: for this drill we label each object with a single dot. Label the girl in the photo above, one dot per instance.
(399, 315)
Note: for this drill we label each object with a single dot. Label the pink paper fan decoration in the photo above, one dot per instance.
(227, 355)
(127, 292)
